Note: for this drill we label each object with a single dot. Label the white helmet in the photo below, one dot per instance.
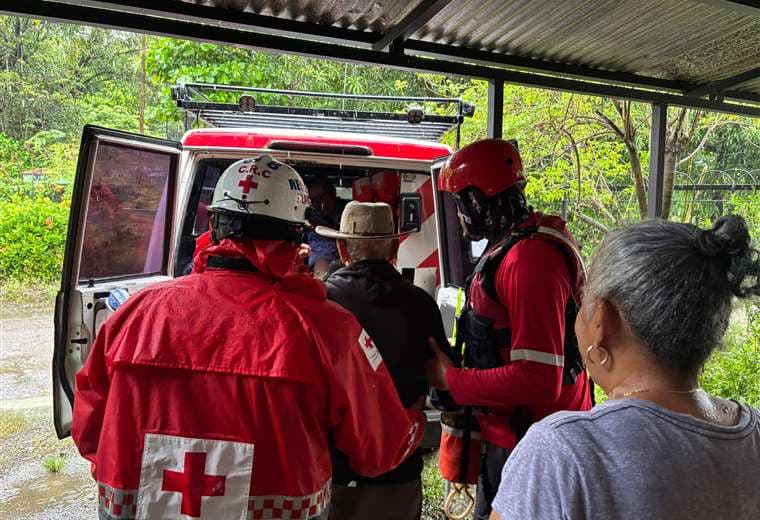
(261, 186)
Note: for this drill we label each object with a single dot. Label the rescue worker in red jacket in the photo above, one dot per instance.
(514, 324)
(214, 395)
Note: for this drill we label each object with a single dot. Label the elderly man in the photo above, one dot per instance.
(400, 318)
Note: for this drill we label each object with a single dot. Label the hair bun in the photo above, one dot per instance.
(728, 237)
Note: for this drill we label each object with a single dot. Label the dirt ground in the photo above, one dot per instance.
(28, 490)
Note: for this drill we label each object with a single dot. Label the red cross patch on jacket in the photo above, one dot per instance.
(182, 477)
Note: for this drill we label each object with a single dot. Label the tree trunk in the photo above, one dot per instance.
(677, 137)
(141, 107)
(638, 177)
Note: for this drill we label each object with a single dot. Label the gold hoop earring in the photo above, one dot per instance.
(606, 354)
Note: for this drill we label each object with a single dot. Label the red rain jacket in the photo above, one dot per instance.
(215, 395)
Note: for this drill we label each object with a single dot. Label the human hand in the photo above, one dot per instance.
(304, 250)
(435, 368)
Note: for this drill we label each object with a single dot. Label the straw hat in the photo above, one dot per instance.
(363, 221)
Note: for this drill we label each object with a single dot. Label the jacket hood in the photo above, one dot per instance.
(377, 279)
(275, 259)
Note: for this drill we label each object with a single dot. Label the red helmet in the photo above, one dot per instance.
(491, 165)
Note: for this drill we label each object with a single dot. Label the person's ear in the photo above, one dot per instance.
(343, 252)
(608, 323)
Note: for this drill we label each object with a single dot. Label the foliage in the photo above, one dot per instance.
(50, 73)
(54, 463)
(733, 372)
(171, 61)
(32, 237)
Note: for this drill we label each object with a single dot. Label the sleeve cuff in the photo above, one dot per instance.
(453, 379)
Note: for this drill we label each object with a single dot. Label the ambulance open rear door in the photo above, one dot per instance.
(118, 242)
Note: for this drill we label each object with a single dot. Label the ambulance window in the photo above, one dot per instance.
(210, 177)
(127, 219)
(459, 258)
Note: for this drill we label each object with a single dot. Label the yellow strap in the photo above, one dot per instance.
(457, 312)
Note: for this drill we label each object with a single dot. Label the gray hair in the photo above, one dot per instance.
(673, 283)
(376, 249)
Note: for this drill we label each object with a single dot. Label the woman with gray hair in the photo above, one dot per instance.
(656, 304)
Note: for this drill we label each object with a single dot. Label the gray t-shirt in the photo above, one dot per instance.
(632, 459)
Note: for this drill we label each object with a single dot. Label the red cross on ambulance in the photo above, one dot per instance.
(187, 478)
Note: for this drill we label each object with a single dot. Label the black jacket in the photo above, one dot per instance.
(399, 317)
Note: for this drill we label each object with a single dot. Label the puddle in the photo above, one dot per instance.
(28, 491)
(33, 492)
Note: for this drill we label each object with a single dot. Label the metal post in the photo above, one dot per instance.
(657, 159)
(189, 120)
(495, 108)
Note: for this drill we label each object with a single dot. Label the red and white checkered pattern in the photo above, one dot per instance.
(115, 503)
(278, 507)
(120, 504)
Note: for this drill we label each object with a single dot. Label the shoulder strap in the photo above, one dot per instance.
(568, 243)
(489, 263)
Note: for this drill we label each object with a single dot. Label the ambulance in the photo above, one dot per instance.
(139, 202)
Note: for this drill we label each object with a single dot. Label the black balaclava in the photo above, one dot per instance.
(491, 217)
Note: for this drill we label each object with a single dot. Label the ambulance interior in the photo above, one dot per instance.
(360, 183)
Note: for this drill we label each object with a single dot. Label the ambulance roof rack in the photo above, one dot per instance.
(227, 106)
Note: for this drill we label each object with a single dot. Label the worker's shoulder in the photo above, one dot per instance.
(321, 310)
(535, 253)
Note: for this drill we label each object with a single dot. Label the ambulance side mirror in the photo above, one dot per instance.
(411, 212)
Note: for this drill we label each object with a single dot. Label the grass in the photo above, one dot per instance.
(54, 463)
(433, 489)
(29, 293)
(11, 423)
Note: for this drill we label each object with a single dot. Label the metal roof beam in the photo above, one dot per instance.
(412, 22)
(722, 85)
(748, 7)
(216, 34)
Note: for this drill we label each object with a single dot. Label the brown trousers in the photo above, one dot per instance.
(391, 502)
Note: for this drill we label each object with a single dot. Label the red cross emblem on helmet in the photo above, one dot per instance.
(248, 183)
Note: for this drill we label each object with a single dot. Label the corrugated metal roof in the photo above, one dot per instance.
(685, 40)
(671, 46)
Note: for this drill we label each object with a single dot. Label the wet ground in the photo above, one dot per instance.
(28, 489)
